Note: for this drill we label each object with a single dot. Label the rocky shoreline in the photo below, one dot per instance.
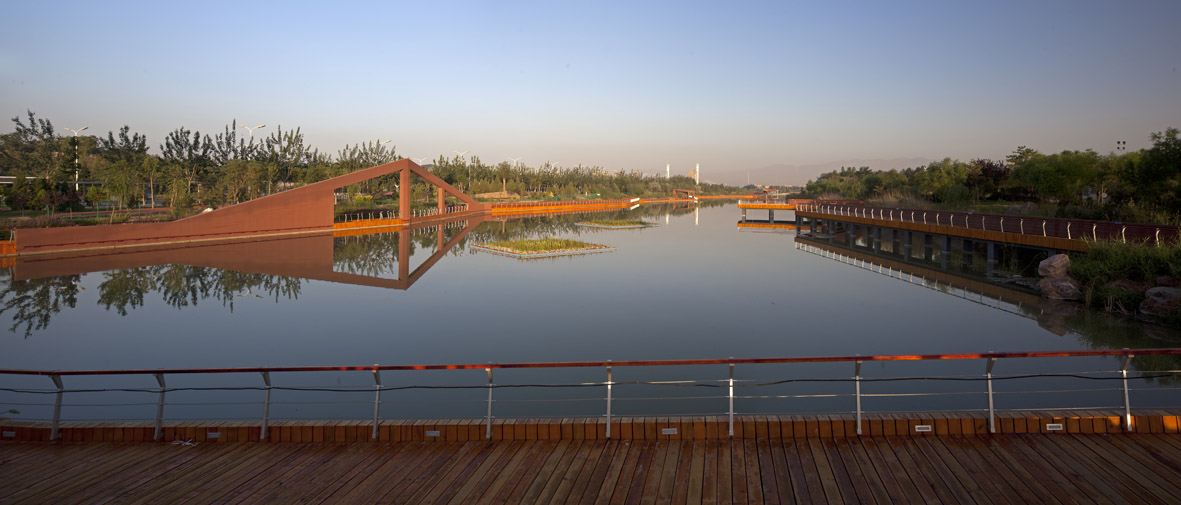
(1161, 299)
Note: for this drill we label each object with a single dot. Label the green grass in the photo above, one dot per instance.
(541, 245)
(1106, 261)
(616, 222)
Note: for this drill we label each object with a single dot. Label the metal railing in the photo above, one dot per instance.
(728, 384)
(1071, 229)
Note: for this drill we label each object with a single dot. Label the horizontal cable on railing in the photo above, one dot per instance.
(719, 384)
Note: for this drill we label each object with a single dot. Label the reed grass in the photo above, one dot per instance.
(541, 245)
(616, 222)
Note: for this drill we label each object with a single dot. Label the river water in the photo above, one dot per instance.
(693, 285)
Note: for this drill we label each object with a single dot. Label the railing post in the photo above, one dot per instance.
(857, 381)
(609, 384)
(731, 411)
(1127, 399)
(376, 399)
(266, 406)
(55, 430)
(159, 409)
(488, 423)
(991, 406)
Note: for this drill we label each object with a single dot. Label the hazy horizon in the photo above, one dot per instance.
(737, 88)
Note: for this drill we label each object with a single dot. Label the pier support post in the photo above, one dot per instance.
(945, 250)
(928, 247)
(744, 215)
(771, 216)
(851, 233)
(907, 243)
(993, 257)
(877, 239)
(968, 250)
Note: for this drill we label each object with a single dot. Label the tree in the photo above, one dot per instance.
(37, 148)
(188, 155)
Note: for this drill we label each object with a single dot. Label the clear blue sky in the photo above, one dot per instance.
(734, 86)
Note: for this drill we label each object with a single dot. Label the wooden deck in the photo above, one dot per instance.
(1011, 468)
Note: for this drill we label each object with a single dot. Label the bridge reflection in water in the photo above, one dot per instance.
(308, 257)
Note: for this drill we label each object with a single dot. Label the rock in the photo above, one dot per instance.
(1161, 302)
(1129, 286)
(1059, 288)
(1166, 281)
(1054, 266)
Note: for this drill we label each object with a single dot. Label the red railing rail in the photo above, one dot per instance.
(599, 364)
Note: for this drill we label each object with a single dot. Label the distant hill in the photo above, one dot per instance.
(798, 175)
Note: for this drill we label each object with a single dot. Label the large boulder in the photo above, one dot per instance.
(1054, 266)
(1059, 288)
(1161, 302)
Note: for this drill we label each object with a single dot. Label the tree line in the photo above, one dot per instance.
(57, 170)
(1142, 185)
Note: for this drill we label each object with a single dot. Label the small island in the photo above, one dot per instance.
(614, 223)
(541, 248)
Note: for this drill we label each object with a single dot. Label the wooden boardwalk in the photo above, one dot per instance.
(1011, 468)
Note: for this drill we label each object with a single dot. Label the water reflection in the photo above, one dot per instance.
(37, 288)
(1099, 330)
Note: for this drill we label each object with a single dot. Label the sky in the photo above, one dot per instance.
(780, 89)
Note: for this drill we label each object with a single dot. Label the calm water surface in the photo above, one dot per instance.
(693, 286)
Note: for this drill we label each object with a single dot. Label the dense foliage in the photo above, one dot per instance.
(56, 170)
(1142, 186)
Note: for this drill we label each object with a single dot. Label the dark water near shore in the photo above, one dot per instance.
(693, 286)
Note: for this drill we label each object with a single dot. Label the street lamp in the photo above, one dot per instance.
(76, 154)
(251, 130)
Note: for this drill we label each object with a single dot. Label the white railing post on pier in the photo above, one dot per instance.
(731, 411)
(55, 428)
(609, 384)
(1127, 399)
(376, 399)
(159, 433)
(266, 406)
(857, 382)
(488, 419)
(991, 405)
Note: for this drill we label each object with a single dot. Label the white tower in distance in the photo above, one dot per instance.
(667, 173)
(697, 174)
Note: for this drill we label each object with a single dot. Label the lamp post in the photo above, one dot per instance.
(251, 130)
(76, 154)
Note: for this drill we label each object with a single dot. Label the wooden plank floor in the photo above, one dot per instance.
(1061, 468)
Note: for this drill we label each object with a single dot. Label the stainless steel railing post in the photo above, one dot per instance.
(731, 412)
(991, 406)
(266, 406)
(488, 423)
(1127, 399)
(55, 430)
(159, 433)
(376, 399)
(609, 384)
(857, 382)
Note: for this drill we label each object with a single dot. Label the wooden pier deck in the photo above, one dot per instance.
(1010, 468)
